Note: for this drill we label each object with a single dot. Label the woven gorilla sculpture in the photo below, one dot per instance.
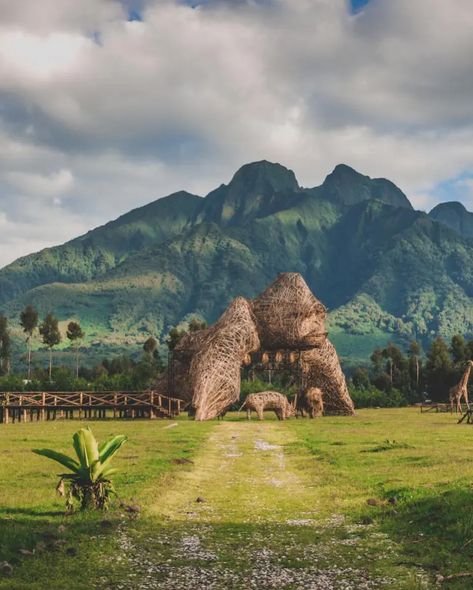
(285, 316)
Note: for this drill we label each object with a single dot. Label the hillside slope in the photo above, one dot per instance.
(383, 269)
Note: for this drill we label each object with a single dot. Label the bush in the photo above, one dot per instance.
(374, 398)
(12, 383)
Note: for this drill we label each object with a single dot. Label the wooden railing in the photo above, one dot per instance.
(45, 405)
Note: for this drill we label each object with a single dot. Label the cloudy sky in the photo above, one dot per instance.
(106, 105)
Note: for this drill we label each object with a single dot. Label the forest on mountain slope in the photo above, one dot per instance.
(385, 271)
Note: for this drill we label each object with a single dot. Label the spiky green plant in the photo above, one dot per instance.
(89, 482)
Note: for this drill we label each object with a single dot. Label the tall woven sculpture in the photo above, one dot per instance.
(183, 354)
(322, 369)
(215, 369)
(285, 317)
(288, 315)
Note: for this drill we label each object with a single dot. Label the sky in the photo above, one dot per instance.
(106, 105)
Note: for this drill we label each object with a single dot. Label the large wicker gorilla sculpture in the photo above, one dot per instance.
(286, 316)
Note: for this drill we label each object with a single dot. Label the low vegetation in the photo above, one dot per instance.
(371, 501)
(88, 480)
(396, 379)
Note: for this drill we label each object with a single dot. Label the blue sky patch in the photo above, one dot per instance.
(134, 15)
(357, 5)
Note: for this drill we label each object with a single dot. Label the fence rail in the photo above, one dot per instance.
(46, 405)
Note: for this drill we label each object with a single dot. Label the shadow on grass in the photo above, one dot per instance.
(434, 529)
(50, 550)
(26, 531)
(29, 512)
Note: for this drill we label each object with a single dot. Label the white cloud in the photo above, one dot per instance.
(38, 57)
(39, 229)
(50, 185)
(99, 115)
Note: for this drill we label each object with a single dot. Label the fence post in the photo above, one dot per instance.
(151, 401)
(7, 411)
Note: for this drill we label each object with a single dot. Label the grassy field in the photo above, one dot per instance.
(380, 500)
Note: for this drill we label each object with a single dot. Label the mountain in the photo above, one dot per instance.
(384, 270)
(256, 190)
(101, 249)
(347, 186)
(455, 216)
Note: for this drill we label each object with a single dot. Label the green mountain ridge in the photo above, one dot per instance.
(454, 215)
(384, 270)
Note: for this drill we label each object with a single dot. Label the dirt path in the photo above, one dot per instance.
(246, 515)
(244, 476)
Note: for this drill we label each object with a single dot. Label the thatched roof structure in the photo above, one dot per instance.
(288, 315)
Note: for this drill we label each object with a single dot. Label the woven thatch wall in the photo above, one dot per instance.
(215, 369)
(322, 369)
(288, 315)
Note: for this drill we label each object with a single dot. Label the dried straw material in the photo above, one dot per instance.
(181, 362)
(215, 369)
(322, 369)
(247, 360)
(311, 402)
(288, 315)
(293, 358)
(283, 321)
(268, 400)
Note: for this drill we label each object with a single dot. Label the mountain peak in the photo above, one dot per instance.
(341, 170)
(450, 206)
(257, 189)
(263, 177)
(346, 185)
(454, 215)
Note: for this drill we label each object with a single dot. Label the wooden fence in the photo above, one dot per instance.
(42, 405)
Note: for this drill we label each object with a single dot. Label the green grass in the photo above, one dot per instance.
(32, 516)
(282, 501)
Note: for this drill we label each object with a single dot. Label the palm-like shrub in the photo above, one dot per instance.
(89, 482)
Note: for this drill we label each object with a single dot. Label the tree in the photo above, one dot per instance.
(469, 348)
(51, 337)
(150, 346)
(5, 345)
(438, 369)
(414, 362)
(377, 360)
(459, 349)
(75, 335)
(195, 325)
(29, 323)
(360, 378)
(158, 361)
(174, 337)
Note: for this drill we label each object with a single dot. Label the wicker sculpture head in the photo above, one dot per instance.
(288, 315)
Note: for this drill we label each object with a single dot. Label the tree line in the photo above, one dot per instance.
(394, 376)
(123, 372)
(397, 377)
(50, 335)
